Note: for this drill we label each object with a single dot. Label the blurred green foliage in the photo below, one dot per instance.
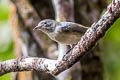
(111, 52)
(6, 41)
(4, 10)
(110, 45)
(109, 1)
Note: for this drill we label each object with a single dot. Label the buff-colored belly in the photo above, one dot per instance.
(67, 38)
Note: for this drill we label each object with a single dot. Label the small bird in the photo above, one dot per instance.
(62, 32)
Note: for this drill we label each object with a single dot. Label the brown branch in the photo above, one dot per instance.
(86, 43)
(27, 64)
(91, 36)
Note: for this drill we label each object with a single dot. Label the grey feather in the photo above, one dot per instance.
(73, 27)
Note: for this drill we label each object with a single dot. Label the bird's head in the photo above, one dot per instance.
(47, 25)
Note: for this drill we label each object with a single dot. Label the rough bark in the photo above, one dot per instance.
(37, 42)
(86, 43)
(87, 12)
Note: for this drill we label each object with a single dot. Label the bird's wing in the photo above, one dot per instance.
(73, 27)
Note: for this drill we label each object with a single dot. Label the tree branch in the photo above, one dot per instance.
(86, 43)
(27, 64)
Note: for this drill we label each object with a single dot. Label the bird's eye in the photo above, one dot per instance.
(45, 23)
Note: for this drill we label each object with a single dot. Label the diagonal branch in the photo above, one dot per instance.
(86, 43)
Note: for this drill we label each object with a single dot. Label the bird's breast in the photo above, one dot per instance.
(66, 38)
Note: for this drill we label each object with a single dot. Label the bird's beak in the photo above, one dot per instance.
(37, 28)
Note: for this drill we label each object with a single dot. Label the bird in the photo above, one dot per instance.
(66, 33)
